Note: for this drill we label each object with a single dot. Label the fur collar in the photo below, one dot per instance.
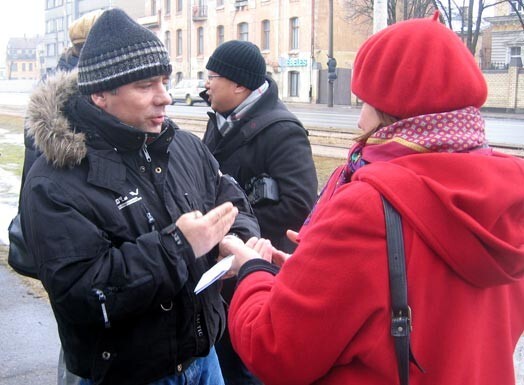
(48, 125)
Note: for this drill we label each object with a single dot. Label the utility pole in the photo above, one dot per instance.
(332, 63)
(380, 15)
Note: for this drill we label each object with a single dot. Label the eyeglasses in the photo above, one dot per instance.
(211, 77)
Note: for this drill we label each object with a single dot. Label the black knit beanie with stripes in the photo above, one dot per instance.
(119, 51)
(239, 61)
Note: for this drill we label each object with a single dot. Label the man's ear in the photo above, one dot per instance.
(99, 99)
(240, 89)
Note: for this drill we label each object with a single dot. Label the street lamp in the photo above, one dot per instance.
(332, 63)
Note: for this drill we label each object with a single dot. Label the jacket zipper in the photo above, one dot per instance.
(102, 299)
(144, 150)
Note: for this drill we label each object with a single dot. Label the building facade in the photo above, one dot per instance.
(59, 14)
(506, 35)
(22, 61)
(291, 34)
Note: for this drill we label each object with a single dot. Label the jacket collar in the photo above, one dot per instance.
(64, 124)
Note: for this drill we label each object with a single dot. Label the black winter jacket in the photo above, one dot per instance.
(270, 140)
(93, 207)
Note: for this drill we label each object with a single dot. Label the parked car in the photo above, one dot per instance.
(187, 90)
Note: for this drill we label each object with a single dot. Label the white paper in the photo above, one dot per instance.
(214, 273)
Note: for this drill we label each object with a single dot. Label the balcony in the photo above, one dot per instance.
(199, 12)
(150, 21)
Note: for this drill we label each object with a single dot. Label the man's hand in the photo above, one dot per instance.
(254, 248)
(203, 232)
(279, 257)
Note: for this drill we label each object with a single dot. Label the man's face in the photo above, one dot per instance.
(140, 104)
(224, 94)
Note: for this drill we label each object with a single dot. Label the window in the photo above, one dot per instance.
(30, 66)
(167, 7)
(200, 75)
(50, 49)
(14, 67)
(179, 42)
(179, 6)
(294, 78)
(23, 67)
(293, 33)
(220, 3)
(167, 42)
(60, 24)
(153, 7)
(200, 42)
(265, 35)
(243, 31)
(515, 55)
(50, 4)
(50, 26)
(179, 76)
(220, 35)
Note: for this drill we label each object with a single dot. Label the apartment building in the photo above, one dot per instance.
(22, 61)
(292, 35)
(59, 14)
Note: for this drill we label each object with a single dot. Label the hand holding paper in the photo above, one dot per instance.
(215, 273)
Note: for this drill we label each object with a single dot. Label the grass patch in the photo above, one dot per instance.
(12, 154)
(325, 167)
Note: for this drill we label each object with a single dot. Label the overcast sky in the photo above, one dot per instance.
(19, 18)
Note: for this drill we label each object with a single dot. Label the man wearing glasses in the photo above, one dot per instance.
(261, 144)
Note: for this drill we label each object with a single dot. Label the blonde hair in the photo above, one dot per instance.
(79, 28)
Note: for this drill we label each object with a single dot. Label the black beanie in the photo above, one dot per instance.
(239, 61)
(119, 51)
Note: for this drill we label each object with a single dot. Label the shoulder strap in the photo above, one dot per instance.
(401, 315)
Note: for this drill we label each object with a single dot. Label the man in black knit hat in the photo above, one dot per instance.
(123, 213)
(261, 144)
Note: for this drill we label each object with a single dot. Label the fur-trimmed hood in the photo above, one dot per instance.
(48, 125)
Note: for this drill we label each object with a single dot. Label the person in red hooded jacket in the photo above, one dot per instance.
(325, 318)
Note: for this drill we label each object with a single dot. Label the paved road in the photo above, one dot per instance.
(29, 344)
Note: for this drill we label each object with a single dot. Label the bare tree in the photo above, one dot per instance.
(361, 11)
(469, 17)
(465, 17)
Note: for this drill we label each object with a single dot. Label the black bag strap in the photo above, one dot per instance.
(401, 312)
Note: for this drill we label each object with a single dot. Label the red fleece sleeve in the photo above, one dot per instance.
(293, 328)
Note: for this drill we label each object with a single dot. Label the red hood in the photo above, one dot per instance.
(468, 208)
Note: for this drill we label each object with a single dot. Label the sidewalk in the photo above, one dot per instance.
(28, 334)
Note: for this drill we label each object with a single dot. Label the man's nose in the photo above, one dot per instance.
(163, 96)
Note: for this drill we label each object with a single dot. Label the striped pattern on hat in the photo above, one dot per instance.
(119, 51)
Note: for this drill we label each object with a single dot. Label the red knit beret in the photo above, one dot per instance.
(417, 67)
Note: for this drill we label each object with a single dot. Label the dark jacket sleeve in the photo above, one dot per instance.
(228, 190)
(288, 160)
(30, 155)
